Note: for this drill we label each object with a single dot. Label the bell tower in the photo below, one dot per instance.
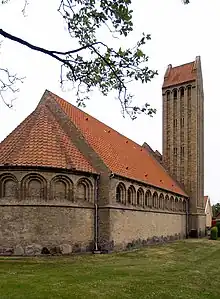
(183, 135)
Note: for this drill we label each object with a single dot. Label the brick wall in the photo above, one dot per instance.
(144, 218)
(183, 140)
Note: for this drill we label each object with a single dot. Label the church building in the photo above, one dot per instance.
(69, 183)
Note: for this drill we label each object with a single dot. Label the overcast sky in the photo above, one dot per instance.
(179, 33)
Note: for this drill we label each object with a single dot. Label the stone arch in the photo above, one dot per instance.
(184, 205)
(181, 92)
(180, 204)
(155, 200)
(167, 202)
(121, 193)
(84, 190)
(61, 188)
(176, 205)
(148, 199)
(175, 93)
(34, 186)
(172, 203)
(140, 197)
(8, 186)
(161, 201)
(131, 195)
(168, 93)
(189, 91)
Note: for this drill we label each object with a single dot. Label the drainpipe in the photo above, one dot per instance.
(187, 219)
(96, 250)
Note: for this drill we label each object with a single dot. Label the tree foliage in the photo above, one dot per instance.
(93, 64)
(215, 209)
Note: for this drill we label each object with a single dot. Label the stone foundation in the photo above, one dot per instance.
(140, 243)
(67, 249)
(37, 249)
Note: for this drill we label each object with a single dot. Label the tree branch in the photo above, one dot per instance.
(8, 83)
(25, 7)
(43, 50)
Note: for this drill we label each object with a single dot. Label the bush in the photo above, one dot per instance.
(213, 222)
(218, 226)
(214, 233)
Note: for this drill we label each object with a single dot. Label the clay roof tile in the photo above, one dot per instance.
(179, 74)
(119, 153)
(40, 141)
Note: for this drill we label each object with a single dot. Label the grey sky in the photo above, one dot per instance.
(179, 33)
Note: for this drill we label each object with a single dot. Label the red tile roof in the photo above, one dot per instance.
(179, 74)
(40, 141)
(120, 154)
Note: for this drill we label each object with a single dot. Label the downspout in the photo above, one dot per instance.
(187, 219)
(96, 249)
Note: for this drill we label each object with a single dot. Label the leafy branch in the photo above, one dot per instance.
(93, 63)
(107, 68)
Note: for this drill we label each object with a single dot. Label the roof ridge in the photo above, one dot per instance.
(43, 98)
(177, 66)
(180, 74)
(59, 141)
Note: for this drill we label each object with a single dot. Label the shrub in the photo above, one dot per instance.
(218, 226)
(214, 233)
(213, 222)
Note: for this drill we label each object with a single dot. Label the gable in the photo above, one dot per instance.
(40, 141)
(121, 155)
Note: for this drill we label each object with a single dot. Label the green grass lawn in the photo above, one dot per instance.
(185, 269)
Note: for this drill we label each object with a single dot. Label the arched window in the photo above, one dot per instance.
(176, 204)
(167, 202)
(121, 193)
(175, 94)
(180, 205)
(171, 203)
(168, 95)
(161, 202)
(84, 190)
(131, 195)
(34, 186)
(155, 200)
(62, 187)
(140, 197)
(189, 91)
(8, 186)
(148, 199)
(181, 92)
(184, 205)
